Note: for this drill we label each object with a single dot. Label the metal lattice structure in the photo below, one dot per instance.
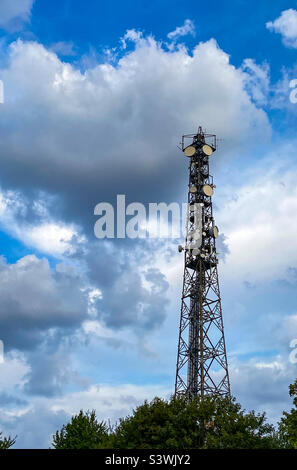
(202, 360)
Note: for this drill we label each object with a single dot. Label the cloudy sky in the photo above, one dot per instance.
(96, 98)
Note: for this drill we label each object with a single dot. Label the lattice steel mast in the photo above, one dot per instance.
(201, 360)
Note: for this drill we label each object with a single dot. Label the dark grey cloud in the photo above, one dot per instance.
(121, 276)
(51, 372)
(115, 129)
(7, 399)
(77, 139)
(263, 384)
(128, 302)
(35, 298)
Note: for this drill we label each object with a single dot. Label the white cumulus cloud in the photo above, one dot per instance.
(187, 28)
(258, 220)
(86, 129)
(286, 25)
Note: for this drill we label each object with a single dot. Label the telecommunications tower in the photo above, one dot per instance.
(202, 367)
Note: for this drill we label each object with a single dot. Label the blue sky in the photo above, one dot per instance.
(96, 98)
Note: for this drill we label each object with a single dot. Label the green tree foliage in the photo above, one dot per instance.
(288, 424)
(6, 442)
(83, 432)
(210, 422)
